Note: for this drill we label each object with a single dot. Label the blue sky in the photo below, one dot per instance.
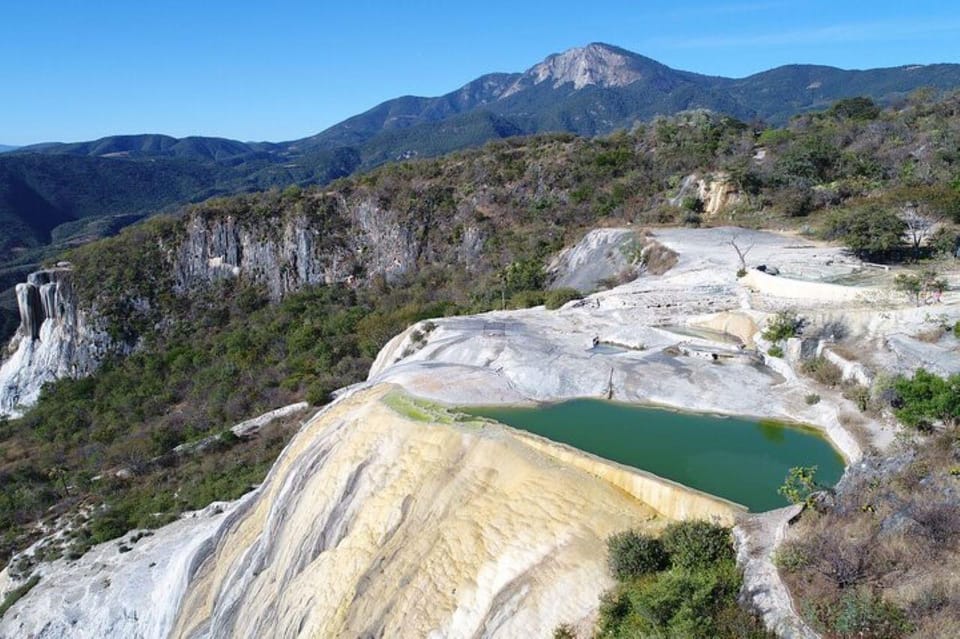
(82, 69)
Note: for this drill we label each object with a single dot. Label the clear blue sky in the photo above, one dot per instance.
(277, 70)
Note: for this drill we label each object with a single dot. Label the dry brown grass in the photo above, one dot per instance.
(658, 258)
(893, 535)
(931, 335)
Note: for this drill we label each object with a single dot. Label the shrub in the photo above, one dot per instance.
(926, 397)
(692, 203)
(560, 296)
(861, 614)
(783, 325)
(775, 351)
(695, 544)
(796, 200)
(564, 631)
(792, 556)
(525, 299)
(812, 399)
(631, 554)
(17, 594)
(680, 603)
(822, 370)
(799, 484)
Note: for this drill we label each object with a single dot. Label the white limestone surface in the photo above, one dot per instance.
(56, 339)
(108, 593)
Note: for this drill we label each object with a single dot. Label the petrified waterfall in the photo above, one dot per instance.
(55, 339)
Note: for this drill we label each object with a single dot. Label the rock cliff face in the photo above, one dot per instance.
(56, 339)
(354, 240)
(595, 64)
(716, 192)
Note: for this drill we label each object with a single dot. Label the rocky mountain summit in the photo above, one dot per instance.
(595, 64)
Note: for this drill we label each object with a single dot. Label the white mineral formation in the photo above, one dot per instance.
(373, 523)
(55, 340)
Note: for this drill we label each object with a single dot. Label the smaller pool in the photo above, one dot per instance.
(739, 459)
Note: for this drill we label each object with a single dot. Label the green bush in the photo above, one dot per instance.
(631, 554)
(17, 594)
(862, 615)
(811, 399)
(700, 604)
(560, 296)
(683, 603)
(872, 232)
(926, 398)
(525, 299)
(775, 351)
(799, 484)
(792, 556)
(783, 325)
(856, 108)
(695, 544)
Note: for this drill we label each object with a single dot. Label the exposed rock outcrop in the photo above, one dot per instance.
(595, 64)
(56, 339)
(348, 241)
(716, 192)
(382, 519)
(602, 254)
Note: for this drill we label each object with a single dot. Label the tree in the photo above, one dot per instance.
(741, 252)
(858, 108)
(910, 284)
(872, 232)
(918, 227)
(945, 242)
(800, 483)
(917, 287)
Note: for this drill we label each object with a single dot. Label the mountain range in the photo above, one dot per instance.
(63, 193)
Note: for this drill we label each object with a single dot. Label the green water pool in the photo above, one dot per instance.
(739, 459)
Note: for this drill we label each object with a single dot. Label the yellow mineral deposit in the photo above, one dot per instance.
(378, 522)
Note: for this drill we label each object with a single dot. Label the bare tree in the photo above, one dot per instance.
(919, 226)
(741, 252)
(845, 562)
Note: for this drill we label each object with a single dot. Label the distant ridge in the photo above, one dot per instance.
(49, 192)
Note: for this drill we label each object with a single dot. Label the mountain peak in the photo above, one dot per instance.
(595, 64)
